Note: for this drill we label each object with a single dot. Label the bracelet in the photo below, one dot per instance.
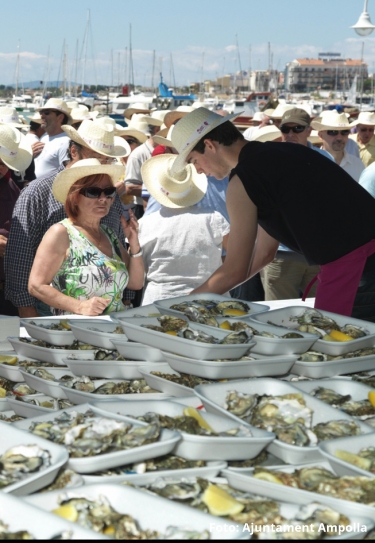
(140, 253)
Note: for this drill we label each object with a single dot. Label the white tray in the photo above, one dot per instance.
(27, 410)
(194, 447)
(167, 442)
(149, 510)
(164, 305)
(213, 398)
(357, 390)
(149, 310)
(101, 337)
(268, 345)
(11, 437)
(44, 353)
(263, 366)
(78, 396)
(138, 351)
(110, 369)
(174, 389)
(331, 368)
(281, 317)
(20, 515)
(289, 494)
(49, 388)
(55, 337)
(13, 372)
(212, 469)
(5, 405)
(350, 444)
(178, 345)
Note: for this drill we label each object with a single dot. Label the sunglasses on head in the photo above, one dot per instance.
(295, 129)
(96, 192)
(336, 132)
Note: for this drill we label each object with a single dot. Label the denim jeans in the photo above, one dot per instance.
(43, 309)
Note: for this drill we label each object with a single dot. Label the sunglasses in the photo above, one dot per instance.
(366, 129)
(294, 129)
(131, 141)
(96, 192)
(48, 111)
(337, 132)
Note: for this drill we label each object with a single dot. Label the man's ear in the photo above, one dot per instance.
(210, 145)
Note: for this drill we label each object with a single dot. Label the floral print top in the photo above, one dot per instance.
(87, 272)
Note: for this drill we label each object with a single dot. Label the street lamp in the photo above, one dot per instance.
(364, 26)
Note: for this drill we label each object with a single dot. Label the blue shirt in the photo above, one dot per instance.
(367, 179)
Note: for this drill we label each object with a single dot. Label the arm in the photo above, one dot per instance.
(265, 250)
(135, 266)
(243, 232)
(49, 257)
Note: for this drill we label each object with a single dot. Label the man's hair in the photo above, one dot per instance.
(34, 126)
(225, 133)
(78, 147)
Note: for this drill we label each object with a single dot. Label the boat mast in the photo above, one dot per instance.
(84, 47)
(239, 61)
(75, 71)
(17, 66)
(153, 70)
(131, 71)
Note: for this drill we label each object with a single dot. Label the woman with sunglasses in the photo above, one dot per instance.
(80, 266)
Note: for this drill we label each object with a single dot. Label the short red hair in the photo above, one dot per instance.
(71, 202)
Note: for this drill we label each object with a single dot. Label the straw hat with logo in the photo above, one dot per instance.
(59, 105)
(9, 115)
(182, 189)
(137, 107)
(332, 121)
(15, 149)
(365, 117)
(83, 168)
(99, 137)
(191, 129)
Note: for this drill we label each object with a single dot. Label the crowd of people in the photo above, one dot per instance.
(96, 218)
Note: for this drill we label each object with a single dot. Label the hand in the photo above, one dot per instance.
(3, 244)
(92, 307)
(131, 228)
(37, 148)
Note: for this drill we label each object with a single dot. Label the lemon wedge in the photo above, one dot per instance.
(220, 503)
(64, 324)
(109, 530)
(192, 412)
(3, 392)
(340, 336)
(269, 477)
(371, 397)
(327, 337)
(225, 325)
(8, 359)
(363, 463)
(68, 512)
(233, 312)
(172, 332)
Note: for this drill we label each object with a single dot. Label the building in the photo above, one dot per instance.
(308, 74)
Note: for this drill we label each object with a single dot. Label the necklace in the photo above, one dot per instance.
(97, 242)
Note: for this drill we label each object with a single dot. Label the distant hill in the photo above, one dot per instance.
(36, 84)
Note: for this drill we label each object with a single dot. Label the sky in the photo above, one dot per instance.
(193, 41)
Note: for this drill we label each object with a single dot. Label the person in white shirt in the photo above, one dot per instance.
(334, 131)
(181, 243)
(54, 114)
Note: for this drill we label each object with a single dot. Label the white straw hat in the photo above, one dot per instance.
(267, 133)
(182, 189)
(59, 105)
(15, 149)
(160, 140)
(192, 128)
(365, 117)
(83, 168)
(332, 121)
(131, 132)
(176, 114)
(99, 137)
(280, 110)
(36, 118)
(137, 107)
(9, 115)
(156, 118)
(314, 137)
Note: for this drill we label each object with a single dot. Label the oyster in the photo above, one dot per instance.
(184, 379)
(336, 428)
(353, 331)
(19, 461)
(172, 324)
(329, 396)
(113, 388)
(313, 356)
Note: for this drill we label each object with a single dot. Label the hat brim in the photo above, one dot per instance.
(121, 147)
(131, 111)
(65, 179)
(58, 111)
(270, 135)
(180, 161)
(174, 116)
(357, 122)
(137, 134)
(156, 167)
(153, 121)
(162, 141)
(23, 158)
(316, 125)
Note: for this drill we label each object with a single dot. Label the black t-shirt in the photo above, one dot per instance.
(305, 200)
